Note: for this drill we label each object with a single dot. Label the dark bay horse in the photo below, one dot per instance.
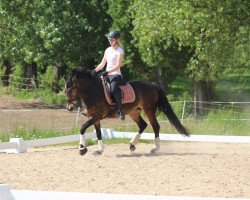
(148, 97)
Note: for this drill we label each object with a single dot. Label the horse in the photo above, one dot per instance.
(148, 98)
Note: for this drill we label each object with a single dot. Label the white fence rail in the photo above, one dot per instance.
(17, 145)
(6, 193)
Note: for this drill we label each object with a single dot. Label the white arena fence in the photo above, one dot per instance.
(18, 145)
(6, 193)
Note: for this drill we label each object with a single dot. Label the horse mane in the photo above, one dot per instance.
(80, 72)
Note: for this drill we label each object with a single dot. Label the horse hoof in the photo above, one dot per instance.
(83, 151)
(154, 150)
(132, 147)
(97, 153)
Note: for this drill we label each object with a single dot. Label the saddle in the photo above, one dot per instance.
(128, 94)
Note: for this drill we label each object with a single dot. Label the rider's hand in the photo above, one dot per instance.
(93, 73)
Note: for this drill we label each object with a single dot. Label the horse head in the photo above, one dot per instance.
(79, 81)
(71, 92)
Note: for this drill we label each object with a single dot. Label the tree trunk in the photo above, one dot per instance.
(7, 71)
(202, 93)
(58, 73)
(158, 78)
(31, 75)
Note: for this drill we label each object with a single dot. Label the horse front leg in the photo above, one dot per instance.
(82, 144)
(99, 137)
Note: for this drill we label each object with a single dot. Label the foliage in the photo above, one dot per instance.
(233, 86)
(16, 79)
(46, 79)
(53, 32)
(195, 39)
(211, 31)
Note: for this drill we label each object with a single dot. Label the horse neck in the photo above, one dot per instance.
(89, 89)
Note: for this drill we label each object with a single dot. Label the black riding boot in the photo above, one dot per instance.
(117, 99)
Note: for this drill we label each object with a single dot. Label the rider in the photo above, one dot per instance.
(113, 56)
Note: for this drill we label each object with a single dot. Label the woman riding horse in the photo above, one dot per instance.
(113, 56)
(148, 98)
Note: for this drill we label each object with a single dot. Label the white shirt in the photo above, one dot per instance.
(112, 59)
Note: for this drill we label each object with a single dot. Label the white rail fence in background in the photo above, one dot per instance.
(18, 145)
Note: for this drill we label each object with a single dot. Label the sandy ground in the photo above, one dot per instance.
(179, 169)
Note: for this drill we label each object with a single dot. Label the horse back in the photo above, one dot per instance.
(145, 90)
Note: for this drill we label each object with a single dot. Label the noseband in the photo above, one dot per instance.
(69, 100)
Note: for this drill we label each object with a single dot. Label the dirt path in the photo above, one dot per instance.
(180, 169)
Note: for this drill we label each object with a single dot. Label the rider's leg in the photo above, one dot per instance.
(117, 98)
(116, 93)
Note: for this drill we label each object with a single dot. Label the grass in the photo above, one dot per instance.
(34, 133)
(233, 88)
(229, 87)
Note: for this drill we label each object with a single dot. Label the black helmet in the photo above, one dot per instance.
(114, 34)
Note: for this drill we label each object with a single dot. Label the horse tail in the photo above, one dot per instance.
(165, 107)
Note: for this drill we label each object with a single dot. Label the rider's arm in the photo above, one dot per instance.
(102, 64)
(119, 63)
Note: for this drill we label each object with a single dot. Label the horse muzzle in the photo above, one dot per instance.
(70, 106)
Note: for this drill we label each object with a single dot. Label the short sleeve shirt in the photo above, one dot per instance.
(112, 59)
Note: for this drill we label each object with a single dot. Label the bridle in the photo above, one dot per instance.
(73, 87)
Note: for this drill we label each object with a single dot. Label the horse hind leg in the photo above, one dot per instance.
(136, 117)
(156, 127)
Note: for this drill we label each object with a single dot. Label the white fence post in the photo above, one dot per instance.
(183, 110)
(5, 193)
(20, 148)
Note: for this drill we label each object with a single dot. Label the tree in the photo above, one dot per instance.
(59, 33)
(209, 30)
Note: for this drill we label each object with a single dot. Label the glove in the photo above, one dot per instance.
(104, 74)
(93, 73)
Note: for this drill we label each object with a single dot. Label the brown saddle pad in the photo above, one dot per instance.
(128, 94)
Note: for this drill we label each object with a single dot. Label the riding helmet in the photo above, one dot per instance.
(114, 34)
